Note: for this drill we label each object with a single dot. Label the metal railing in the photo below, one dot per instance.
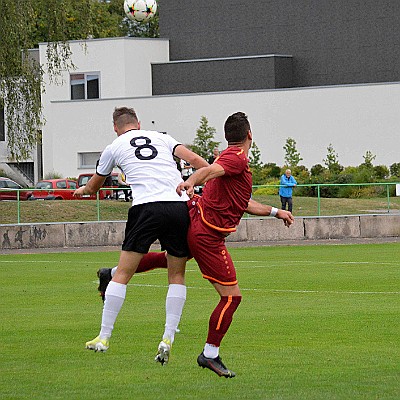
(391, 201)
(318, 186)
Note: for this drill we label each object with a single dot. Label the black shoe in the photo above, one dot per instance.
(105, 277)
(216, 365)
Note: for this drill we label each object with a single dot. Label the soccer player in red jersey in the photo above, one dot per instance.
(226, 196)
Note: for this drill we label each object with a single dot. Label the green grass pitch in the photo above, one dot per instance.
(315, 322)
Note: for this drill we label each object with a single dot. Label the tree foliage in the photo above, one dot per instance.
(369, 157)
(332, 160)
(27, 23)
(255, 163)
(292, 155)
(395, 170)
(203, 143)
(255, 157)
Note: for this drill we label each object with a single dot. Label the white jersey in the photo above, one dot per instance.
(146, 159)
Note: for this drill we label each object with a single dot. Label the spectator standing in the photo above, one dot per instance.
(287, 184)
(214, 155)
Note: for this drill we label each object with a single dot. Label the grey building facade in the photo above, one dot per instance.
(267, 44)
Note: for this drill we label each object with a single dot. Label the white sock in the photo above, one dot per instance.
(174, 303)
(113, 271)
(114, 298)
(210, 351)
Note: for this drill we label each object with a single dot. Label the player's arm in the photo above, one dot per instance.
(189, 156)
(93, 185)
(256, 208)
(200, 177)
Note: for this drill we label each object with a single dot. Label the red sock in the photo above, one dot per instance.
(221, 319)
(152, 261)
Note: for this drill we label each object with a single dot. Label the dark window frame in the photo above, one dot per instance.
(84, 85)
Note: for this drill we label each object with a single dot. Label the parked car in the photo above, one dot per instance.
(12, 194)
(103, 194)
(54, 189)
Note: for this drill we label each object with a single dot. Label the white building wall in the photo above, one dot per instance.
(124, 65)
(353, 119)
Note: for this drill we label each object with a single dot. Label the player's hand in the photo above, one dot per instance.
(184, 186)
(79, 192)
(286, 216)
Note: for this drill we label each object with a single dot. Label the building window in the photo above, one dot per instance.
(88, 160)
(85, 86)
(2, 127)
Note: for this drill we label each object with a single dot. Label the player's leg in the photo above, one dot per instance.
(219, 323)
(174, 303)
(148, 262)
(139, 235)
(173, 240)
(114, 298)
(209, 250)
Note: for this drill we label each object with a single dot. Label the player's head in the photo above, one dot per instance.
(125, 117)
(237, 128)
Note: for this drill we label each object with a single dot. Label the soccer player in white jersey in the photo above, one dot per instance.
(157, 212)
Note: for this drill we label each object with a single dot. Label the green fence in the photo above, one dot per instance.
(383, 200)
(378, 198)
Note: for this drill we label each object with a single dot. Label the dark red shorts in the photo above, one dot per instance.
(207, 246)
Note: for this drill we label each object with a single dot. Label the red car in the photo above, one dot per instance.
(54, 189)
(12, 193)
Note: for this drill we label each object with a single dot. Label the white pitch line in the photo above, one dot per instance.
(242, 289)
(235, 262)
(325, 262)
(267, 290)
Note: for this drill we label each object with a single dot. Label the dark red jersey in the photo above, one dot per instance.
(226, 198)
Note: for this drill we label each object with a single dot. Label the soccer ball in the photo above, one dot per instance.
(140, 10)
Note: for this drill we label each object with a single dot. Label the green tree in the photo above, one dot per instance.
(26, 23)
(332, 160)
(271, 170)
(292, 156)
(255, 157)
(256, 164)
(395, 169)
(203, 143)
(368, 159)
(317, 170)
(381, 172)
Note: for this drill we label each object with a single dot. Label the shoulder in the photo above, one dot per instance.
(233, 160)
(107, 152)
(234, 152)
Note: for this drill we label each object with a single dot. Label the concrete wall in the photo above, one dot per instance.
(250, 230)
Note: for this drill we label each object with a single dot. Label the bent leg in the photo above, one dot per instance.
(152, 261)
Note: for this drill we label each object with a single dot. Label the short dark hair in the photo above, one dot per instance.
(236, 128)
(123, 116)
